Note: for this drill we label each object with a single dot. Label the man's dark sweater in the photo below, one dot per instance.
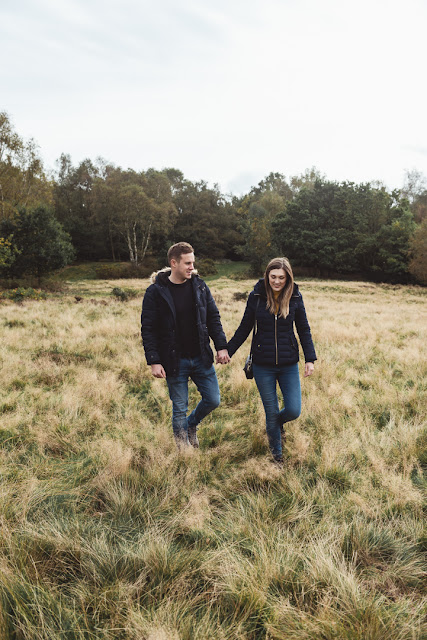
(185, 309)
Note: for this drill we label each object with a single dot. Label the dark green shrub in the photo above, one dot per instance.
(206, 267)
(126, 270)
(53, 286)
(42, 245)
(20, 294)
(124, 294)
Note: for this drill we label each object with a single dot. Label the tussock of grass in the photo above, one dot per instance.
(106, 531)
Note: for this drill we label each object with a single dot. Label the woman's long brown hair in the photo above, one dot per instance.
(286, 292)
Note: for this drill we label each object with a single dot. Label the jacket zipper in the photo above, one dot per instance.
(275, 337)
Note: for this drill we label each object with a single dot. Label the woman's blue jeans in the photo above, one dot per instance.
(207, 384)
(266, 378)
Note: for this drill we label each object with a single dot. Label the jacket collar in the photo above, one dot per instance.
(161, 277)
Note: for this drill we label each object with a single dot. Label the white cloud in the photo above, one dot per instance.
(221, 90)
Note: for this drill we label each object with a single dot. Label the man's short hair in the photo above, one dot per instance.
(177, 250)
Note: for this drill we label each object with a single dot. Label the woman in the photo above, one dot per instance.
(277, 304)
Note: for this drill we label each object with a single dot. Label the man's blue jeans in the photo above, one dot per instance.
(266, 378)
(207, 384)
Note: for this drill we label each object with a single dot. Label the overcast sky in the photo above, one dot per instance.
(225, 90)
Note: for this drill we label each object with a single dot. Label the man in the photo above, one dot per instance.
(178, 316)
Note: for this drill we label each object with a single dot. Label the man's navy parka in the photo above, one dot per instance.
(158, 323)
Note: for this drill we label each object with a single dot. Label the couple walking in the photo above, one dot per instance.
(179, 315)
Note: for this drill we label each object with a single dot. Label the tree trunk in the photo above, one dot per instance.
(147, 240)
(135, 246)
(129, 243)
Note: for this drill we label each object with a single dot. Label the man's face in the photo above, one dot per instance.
(183, 268)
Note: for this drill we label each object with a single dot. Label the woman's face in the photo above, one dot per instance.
(277, 279)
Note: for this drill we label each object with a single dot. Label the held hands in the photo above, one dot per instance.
(309, 369)
(222, 357)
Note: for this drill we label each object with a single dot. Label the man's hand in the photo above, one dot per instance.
(158, 371)
(222, 357)
(309, 369)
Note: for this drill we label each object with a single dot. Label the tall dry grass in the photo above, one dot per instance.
(106, 531)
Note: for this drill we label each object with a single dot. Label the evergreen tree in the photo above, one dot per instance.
(347, 228)
(41, 243)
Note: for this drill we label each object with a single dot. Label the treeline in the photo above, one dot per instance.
(117, 214)
(97, 211)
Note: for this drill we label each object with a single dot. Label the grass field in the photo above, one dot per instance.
(106, 531)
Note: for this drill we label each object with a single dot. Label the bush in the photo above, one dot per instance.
(206, 267)
(124, 294)
(53, 286)
(20, 294)
(29, 282)
(125, 271)
(14, 283)
(243, 275)
(42, 245)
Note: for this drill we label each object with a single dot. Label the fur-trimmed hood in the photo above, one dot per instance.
(161, 275)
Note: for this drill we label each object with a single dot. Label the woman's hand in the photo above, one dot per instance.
(309, 369)
(222, 357)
